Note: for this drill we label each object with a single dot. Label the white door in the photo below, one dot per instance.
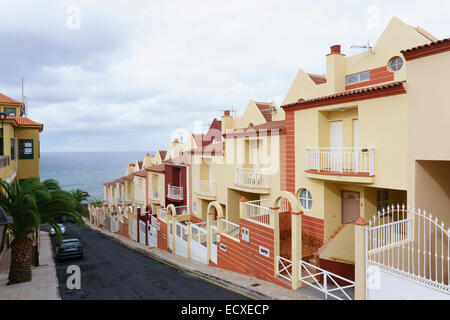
(170, 235)
(199, 244)
(214, 244)
(336, 143)
(152, 236)
(181, 234)
(142, 233)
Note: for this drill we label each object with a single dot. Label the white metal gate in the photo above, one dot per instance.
(408, 255)
(181, 234)
(153, 232)
(142, 232)
(199, 242)
(169, 235)
(214, 244)
(133, 229)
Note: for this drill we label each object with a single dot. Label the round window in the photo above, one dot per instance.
(305, 199)
(195, 207)
(396, 64)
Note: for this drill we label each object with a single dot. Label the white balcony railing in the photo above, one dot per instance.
(139, 196)
(258, 211)
(229, 228)
(358, 160)
(205, 188)
(174, 192)
(251, 178)
(154, 195)
(163, 213)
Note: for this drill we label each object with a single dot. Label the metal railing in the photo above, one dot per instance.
(205, 188)
(325, 281)
(163, 213)
(284, 268)
(229, 228)
(4, 161)
(258, 211)
(411, 244)
(251, 178)
(175, 192)
(341, 159)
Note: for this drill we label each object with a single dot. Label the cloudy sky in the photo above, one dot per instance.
(123, 75)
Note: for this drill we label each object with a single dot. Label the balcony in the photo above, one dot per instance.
(346, 162)
(154, 195)
(205, 188)
(251, 178)
(174, 192)
(258, 211)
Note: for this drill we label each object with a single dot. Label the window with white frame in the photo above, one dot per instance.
(357, 77)
(223, 247)
(264, 251)
(245, 234)
(395, 64)
(305, 199)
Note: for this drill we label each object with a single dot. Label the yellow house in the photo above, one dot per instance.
(347, 140)
(19, 147)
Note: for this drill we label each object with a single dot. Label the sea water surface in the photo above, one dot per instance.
(86, 170)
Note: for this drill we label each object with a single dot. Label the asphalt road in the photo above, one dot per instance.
(111, 271)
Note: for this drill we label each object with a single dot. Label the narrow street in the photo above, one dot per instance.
(111, 271)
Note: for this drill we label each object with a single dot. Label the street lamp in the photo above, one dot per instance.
(3, 116)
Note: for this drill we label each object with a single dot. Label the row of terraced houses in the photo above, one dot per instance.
(322, 191)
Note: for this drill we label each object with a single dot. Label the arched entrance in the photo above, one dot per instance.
(216, 208)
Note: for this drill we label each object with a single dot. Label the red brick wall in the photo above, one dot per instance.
(195, 219)
(313, 226)
(378, 75)
(346, 270)
(123, 228)
(288, 152)
(162, 242)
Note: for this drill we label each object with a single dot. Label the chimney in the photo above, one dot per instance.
(148, 161)
(335, 70)
(227, 121)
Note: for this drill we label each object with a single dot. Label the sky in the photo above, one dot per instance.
(125, 75)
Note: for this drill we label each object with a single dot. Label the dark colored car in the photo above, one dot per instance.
(69, 248)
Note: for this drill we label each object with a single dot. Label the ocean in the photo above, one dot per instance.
(86, 170)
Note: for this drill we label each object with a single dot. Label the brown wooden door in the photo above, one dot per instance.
(350, 206)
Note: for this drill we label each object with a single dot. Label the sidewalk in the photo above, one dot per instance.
(229, 279)
(44, 284)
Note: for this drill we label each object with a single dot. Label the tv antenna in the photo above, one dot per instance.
(368, 47)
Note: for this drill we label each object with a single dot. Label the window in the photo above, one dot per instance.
(305, 199)
(195, 207)
(264, 251)
(10, 111)
(13, 149)
(395, 64)
(357, 77)
(25, 149)
(245, 234)
(223, 247)
(382, 199)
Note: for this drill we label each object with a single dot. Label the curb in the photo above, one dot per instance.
(231, 285)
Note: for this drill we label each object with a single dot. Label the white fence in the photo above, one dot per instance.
(174, 192)
(205, 188)
(163, 213)
(284, 268)
(229, 228)
(258, 211)
(410, 244)
(327, 282)
(251, 178)
(343, 160)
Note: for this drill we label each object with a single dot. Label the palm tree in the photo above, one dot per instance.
(80, 195)
(31, 203)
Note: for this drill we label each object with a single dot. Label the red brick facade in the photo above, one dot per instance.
(162, 235)
(378, 75)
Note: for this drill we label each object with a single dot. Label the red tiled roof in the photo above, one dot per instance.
(111, 183)
(24, 121)
(317, 79)
(266, 110)
(268, 127)
(163, 154)
(6, 99)
(140, 164)
(427, 49)
(351, 95)
(120, 180)
(128, 177)
(157, 168)
(140, 173)
(210, 149)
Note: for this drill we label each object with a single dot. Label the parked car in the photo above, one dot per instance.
(69, 248)
(61, 227)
